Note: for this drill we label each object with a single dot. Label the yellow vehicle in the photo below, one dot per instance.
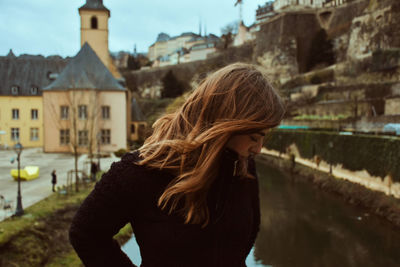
(26, 174)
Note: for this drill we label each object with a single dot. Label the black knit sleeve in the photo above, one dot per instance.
(108, 208)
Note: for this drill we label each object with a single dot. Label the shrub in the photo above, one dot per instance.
(172, 87)
(120, 152)
(376, 154)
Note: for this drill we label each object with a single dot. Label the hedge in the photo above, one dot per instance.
(378, 155)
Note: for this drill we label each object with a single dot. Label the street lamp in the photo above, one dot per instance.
(18, 149)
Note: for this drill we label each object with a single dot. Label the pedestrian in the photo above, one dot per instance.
(191, 191)
(54, 180)
(93, 171)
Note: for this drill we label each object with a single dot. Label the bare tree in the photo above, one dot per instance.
(82, 121)
(228, 32)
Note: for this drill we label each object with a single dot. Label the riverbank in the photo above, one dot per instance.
(40, 237)
(374, 202)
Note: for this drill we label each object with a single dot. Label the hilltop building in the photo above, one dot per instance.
(183, 48)
(265, 12)
(300, 4)
(166, 45)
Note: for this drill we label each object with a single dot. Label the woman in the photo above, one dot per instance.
(190, 192)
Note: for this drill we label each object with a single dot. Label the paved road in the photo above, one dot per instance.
(37, 189)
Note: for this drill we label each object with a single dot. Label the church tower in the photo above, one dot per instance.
(94, 28)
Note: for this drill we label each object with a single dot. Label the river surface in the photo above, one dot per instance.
(302, 226)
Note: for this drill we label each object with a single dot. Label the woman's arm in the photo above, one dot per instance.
(105, 211)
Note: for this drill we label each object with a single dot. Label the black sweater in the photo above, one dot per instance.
(128, 193)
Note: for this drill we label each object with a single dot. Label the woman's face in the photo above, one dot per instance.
(247, 144)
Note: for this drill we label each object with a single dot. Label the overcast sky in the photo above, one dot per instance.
(52, 27)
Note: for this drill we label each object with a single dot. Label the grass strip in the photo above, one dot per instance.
(40, 236)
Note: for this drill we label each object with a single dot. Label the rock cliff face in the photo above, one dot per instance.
(349, 55)
(377, 28)
(289, 43)
(338, 52)
(283, 45)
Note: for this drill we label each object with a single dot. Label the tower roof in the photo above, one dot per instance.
(94, 5)
(85, 71)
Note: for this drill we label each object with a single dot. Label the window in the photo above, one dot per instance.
(15, 134)
(82, 112)
(105, 136)
(34, 114)
(64, 112)
(14, 90)
(64, 137)
(132, 128)
(83, 138)
(105, 112)
(34, 134)
(34, 90)
(52, 76)
(93, 22)
(15, 114)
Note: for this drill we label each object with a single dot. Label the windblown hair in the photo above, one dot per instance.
(237, 98)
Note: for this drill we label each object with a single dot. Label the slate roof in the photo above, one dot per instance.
(162, 37)
(94, 5)
(136, 113)
(189, 34)
(85, 71)
(28, 71)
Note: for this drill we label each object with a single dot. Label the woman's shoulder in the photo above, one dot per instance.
(128, 174)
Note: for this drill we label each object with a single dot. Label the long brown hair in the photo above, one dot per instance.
(189, 142)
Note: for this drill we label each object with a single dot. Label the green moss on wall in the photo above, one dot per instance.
(379, 156)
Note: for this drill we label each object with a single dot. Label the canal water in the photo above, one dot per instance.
(302, 226)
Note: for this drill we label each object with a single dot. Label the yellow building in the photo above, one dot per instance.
(21, 105)
(20, 120)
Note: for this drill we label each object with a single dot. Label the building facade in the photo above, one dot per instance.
(244, 34)
(287, 4)
(184, 48)
(22, 80)
(85, 108)
(169, 51)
